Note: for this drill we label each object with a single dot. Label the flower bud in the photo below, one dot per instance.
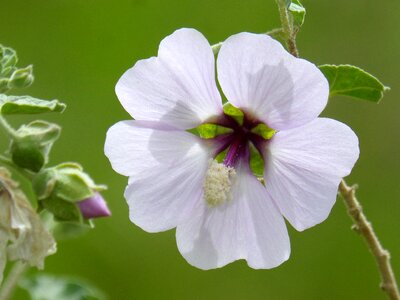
(8, 58)
(94, 207)
(32, 144)
(69, 193)
(21, 78)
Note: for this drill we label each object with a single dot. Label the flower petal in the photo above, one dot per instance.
(247, 227)
(167, 169)
(258, 76)
(304, 167)
(177, 87)
(134, 147)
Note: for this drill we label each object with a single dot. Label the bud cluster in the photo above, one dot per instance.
(11, 76)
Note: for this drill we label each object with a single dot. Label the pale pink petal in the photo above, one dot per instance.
(177, 87)
(133, 147)
(248, 227)
(167, 169)
(304, 167)
(259, 76)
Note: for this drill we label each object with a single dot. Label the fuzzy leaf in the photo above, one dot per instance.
(352, 81)
(28, 105)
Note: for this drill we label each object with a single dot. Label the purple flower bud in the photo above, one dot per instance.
(94, 207)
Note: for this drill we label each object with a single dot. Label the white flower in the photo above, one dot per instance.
(221, 210)
(22, 233)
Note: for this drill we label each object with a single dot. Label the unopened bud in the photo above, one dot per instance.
(21, 78)
(8, 57)
(32, 144)
(67, 188)
(94, 207)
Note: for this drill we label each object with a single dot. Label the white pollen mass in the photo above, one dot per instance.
(218, 183)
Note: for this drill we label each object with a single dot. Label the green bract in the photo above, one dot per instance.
(28, 105)
(31, 146)
(352, 81)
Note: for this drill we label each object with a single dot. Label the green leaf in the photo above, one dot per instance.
(28, 105)
(352, 81)
(298, 12)
(47, 287)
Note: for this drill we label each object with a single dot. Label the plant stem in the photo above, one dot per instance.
(7, 128)
(10, 283)
(287, 26)
(362, 225)
(364, 228)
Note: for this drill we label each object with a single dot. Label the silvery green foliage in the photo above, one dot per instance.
(65, 197)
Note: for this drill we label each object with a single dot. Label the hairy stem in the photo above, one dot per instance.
(10, 283)
(364, 228)
(362, 225)
(287, 26)
(7, 128)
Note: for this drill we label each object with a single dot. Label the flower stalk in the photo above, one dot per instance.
(10, 283)
(362, 225)
(365, 229)
(7, 128)
(287, 27)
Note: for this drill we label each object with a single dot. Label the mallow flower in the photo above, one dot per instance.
(207, 187)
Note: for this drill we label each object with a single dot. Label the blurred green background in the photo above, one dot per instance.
(80, 48)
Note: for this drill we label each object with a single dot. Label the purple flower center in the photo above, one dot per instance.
(241, 136)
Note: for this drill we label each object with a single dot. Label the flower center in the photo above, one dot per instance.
(239, 138)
